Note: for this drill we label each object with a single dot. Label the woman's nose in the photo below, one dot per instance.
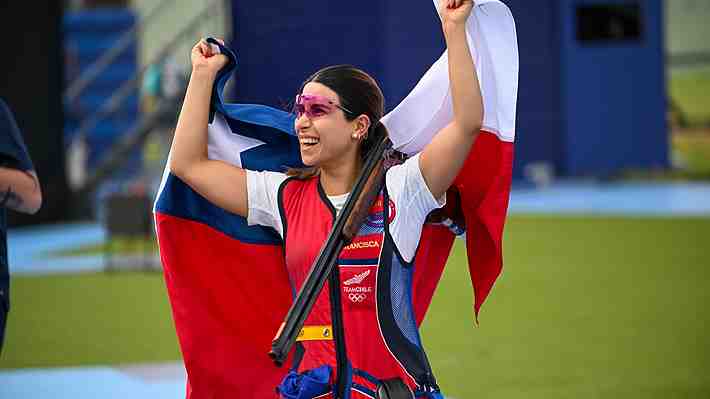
(302, 121)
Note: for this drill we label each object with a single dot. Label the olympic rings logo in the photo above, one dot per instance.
(357, 298)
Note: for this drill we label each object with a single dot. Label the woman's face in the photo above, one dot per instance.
(324, 138)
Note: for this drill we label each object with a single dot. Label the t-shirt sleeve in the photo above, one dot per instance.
(412, 203)
(13, 153)
(262, 198)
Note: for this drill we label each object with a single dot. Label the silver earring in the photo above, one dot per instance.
(355, 136)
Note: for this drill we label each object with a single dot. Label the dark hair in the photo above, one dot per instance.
(359, 93)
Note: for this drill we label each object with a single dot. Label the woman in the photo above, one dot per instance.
(338, 112)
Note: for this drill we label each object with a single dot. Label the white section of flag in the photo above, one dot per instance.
(222, 144)
(428, 108)
(226, 146)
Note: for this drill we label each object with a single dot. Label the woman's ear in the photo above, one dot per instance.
(361, 126)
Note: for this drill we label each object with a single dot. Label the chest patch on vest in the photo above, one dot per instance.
(358, 285)
(375, 219)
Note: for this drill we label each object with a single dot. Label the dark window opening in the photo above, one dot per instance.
(609, 23)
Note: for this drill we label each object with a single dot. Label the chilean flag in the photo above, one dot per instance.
(227, 281)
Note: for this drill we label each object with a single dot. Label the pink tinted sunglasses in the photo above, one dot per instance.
(315, 106)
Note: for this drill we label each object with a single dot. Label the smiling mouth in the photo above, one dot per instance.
(308, 141)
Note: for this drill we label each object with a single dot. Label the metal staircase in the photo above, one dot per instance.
(163, 111)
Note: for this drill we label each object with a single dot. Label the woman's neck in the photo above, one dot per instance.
(340, 177)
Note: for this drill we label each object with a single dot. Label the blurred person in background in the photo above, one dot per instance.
(19, 191)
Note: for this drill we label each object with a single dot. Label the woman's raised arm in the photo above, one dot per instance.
(221, 183)
(441, 160)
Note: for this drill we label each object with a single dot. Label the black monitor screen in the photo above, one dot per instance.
(609, 22)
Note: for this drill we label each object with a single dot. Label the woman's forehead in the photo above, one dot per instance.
(319, 89)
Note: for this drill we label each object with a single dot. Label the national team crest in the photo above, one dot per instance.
(376, 217)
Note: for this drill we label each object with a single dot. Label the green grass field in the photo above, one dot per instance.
(105, 318)
(690, 90)
(120, 245)
(585, 308)
(694, 148)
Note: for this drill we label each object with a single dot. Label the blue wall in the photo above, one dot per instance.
(281, 45)
(614, 97)
(539, 135)
(585, 109)
(589, 109)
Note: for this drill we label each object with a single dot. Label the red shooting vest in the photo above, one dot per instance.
(381, 334)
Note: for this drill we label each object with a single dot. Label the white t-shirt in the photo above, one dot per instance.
(405, 185)
(338, 201)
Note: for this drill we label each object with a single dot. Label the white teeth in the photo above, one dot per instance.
(308, 140)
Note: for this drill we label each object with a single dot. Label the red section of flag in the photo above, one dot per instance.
(228, 300)
(434, 248)
(484, 188)
(482, 191)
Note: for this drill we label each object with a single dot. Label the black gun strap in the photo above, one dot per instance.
(336, 314)
(336, 310)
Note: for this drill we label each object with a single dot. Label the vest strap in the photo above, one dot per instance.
(316, 333)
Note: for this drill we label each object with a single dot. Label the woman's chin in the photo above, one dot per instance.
(308, 159)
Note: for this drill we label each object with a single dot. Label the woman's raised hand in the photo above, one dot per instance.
(206, 58)
(455, 11)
